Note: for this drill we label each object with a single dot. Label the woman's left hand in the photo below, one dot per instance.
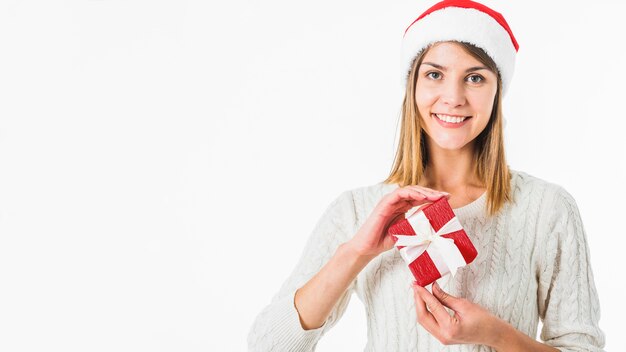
(470, 322)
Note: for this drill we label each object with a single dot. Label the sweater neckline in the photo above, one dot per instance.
(474, 208)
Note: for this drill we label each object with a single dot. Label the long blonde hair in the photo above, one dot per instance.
(490, 164)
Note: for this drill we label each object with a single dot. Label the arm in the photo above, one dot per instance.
(470, 323)
(567, 298)
(317, 292)
(509, 339)
(316, 299)
(277, 327)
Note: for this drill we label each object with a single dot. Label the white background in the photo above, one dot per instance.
(162, 163)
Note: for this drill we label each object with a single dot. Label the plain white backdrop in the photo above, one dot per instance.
(162, 163)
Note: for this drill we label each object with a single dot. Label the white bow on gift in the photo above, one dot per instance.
(445, 255)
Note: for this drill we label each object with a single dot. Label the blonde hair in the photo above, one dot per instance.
(490, 166)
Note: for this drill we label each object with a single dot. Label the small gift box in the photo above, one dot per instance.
(432, 242)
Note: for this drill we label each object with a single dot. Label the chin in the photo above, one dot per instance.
(450, 144)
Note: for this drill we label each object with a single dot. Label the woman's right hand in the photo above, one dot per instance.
(372, 238)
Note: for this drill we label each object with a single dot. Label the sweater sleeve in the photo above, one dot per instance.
(567, 298)
(277, 327)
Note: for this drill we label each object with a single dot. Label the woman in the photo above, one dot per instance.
(533, 259)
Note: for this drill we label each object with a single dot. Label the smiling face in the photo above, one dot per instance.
(454, 94)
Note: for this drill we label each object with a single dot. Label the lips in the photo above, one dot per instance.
(451, 121)
(451, 118)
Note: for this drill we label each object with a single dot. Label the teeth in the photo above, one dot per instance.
(451, 119)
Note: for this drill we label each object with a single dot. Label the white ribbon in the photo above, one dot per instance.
(445, 255)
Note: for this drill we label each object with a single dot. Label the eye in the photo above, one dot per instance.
(433, 75)
(475, 78)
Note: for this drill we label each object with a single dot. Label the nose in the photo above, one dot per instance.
(453, 94)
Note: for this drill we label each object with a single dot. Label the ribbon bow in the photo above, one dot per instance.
(445, 255)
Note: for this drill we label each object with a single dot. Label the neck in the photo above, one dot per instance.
(451, 171)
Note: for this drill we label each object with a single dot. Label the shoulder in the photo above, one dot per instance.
(548, 202)
(372, 191)
(524, 185)
(364, 198)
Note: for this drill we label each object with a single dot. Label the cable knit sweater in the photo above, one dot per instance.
(533, 263)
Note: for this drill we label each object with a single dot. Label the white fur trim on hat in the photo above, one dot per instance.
(464, 25)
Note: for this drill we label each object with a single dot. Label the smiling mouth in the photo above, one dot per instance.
(451, 118)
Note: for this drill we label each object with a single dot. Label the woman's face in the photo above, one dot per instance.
(454, 94)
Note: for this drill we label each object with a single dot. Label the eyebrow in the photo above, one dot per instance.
(475, 68)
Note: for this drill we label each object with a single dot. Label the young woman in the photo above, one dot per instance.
(533, 259)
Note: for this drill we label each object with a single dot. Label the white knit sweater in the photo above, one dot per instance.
(533, 263)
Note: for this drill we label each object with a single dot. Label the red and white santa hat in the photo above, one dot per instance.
(463, 21)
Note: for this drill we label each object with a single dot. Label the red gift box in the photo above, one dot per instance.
(438, 214)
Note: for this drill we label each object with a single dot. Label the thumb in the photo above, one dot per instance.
(446, 299)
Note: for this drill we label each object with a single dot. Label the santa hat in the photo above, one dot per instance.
(463, 21)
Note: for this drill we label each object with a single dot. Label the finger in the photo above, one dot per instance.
(413, 193)
(434, 190)
(424, 317)
(431, 193)
(416, 196)
(427, 191)
(392, 203)
(445, 298)
(438, 196)
(436, 308)
(407, 196)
